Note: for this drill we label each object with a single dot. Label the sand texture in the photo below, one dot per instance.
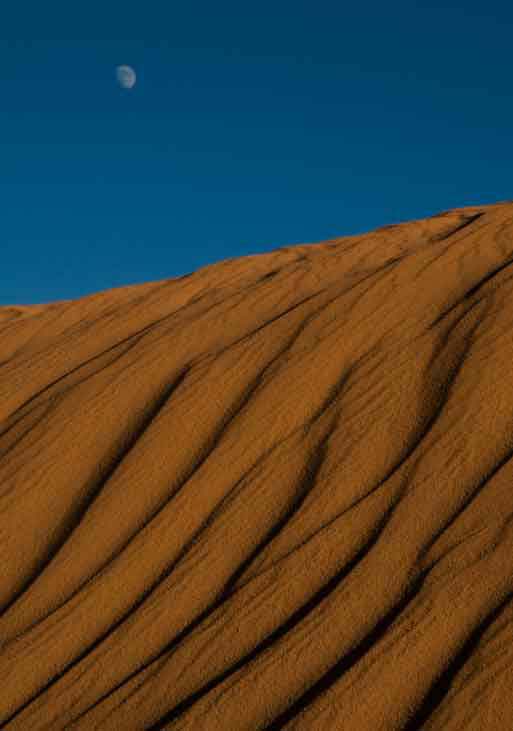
(276, 493)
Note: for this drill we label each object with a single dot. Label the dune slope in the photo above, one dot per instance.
(276, 493)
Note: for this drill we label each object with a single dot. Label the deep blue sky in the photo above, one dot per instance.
(252, 126)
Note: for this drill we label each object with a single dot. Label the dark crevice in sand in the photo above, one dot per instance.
(471, 292)
(297, 616)
(219, 599)
(50, 401)
(131, 341)
(467, 221)
(137, 335)
(472, 495)
(431, 417)
(145, 419)
(487, 277)
(449, 245)
(443, 684)
(307, 484)
(226, 595)
(429, 420)
(280, 316)
(445, 340)
(270, 275)
(350, 659)
(304, 489)
(230, 587)
(10, 440)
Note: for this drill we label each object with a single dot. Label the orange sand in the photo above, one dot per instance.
(274, 494)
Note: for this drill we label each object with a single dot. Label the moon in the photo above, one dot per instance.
(126, 77)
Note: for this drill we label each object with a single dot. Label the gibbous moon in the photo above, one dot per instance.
(126, 77)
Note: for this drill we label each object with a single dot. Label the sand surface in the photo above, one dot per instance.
(273, 494)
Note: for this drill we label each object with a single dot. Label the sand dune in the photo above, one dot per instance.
(276, 493)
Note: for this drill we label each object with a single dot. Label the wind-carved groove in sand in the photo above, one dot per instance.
(185, 549)
(441, 687)
(341, 667)
(138, 334)
(309, 480)
(472, 291)
(440, 684)
(449, 245)
(403, 626)
(305, 486)
(48, 400)
(188, 631)
(12, 437)
(145, 419)
(130, 342)
(297, 616)
(469, 499)
(446, 379)
(223, 594)
(345, 662)
(349, 660)
(467, 221)
(377, 274)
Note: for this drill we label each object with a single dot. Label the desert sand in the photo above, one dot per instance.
(276, 493)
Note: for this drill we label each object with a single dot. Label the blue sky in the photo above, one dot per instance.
(251, 126)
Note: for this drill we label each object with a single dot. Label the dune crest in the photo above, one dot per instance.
(272, 494)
